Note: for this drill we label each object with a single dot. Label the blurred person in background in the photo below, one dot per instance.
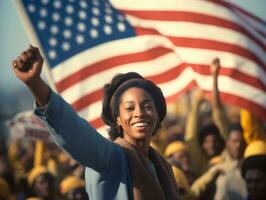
(253, 170)
(42, 183)
(230, 184)
(230, 159)
(177, 154)
(203, 142)
(73, 188)
(5, 193)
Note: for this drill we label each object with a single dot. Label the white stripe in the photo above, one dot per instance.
(108, 50)
(138, 44)
(103, 131)
(195, 6)
(95, 82)
(202, 31)
(228, 60)
(161, 64)
(226, 84)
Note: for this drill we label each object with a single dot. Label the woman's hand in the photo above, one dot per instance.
(28, 66)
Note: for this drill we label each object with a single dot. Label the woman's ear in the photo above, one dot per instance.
(118, 121)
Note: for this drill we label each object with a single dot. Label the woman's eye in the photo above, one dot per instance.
(147, 107)
(129, 108)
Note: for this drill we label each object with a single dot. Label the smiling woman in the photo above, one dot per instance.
(125, 168)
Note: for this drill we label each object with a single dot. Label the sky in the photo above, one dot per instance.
(14, 40)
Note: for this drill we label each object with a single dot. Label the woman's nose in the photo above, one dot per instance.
(139, 111)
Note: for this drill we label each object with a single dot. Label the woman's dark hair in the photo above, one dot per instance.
(113, 91)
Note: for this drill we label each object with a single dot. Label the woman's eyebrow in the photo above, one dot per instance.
(144, 101)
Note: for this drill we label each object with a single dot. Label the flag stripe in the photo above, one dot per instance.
(207, 44)
(195, 18)
(154, 53)
(170, 75)
(190, 29)
(226, 97)
(105, 64)
(188, 55)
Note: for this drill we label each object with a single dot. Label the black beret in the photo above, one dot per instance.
(254, 162)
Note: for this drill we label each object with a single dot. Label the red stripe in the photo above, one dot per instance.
(225, 97)
(97, 123)
(87, 99)
(205, 70)
(240, 102)
(207, 44)
(108, 64)
(244, 103)
(180, 16)
(218, 46)
(170, 75)
(173, 97)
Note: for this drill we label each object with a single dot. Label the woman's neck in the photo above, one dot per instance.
(141, 145)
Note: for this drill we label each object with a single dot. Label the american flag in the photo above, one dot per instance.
(171, 42)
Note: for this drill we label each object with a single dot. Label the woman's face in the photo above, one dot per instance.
(137, 114)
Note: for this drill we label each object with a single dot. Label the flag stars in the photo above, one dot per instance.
(80, 39)
(81, 27)
(65, 46)
(83, 4)
(52, 54)
(57, 4)
(31, 8)
(68, 21)
(43, 12)
(95, 3)
(44, 2)
(108, 10)
(70, 9)
(108, 19)
(120, 17)
(93, 33)
(67, 34)
(52, 42)
(95, 21)
(55, 17)
(41, 25)
(54, 29)
(95, 11)
(121, 26)
(82, 14)
(107, 29)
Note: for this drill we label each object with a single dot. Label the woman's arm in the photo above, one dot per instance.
(72, 133)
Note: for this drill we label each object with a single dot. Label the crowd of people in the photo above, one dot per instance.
(211, 155)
